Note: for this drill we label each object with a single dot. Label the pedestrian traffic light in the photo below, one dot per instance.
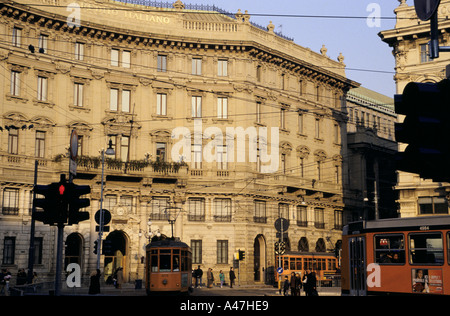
(425, 129)
(75, 203)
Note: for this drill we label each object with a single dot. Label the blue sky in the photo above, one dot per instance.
(361, 46)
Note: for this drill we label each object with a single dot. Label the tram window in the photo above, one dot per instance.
(426, 248)
(154, 262)
(448, 247)
(389, 249)
(286, 264)
(164, 260)
(291, 263)
(298, 264)
(176, 262)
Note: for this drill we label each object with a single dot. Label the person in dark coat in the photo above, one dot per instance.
(311, 284)
(286, 285)
(292, 284)
(232, 277)
(94, 286)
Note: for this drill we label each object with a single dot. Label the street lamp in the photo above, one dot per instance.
(172, 213)
(109, 151)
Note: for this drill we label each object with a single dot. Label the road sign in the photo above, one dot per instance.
(281, 223)
(106, 217)
(426, 8)
(280, 270)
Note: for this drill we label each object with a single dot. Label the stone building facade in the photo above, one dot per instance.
(167, 86)
(409, 41)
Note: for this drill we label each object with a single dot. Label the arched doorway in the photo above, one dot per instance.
(115, 255)
(73, 249)
(259, 261)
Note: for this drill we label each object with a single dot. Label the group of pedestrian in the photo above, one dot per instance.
(296, 283)
(197, 275)
(22, 279)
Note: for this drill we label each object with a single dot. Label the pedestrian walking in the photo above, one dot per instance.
(198, 277)
(94, 285)
(298, 284)
(292, 284)
(210, 278)
(286, 285)
(232, 277)
(221, 278)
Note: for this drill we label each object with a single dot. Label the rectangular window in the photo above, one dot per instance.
(222, 159)
(38, 242)
(126, 100)
(40, 144)
(9, 249)
(260, 212)
(80, 145)
(78, 94)
(114, 57)
(16, 36)
(15, 83)
(42, 88)
(319, 220)
(196, 66)
(196, 107)
(126, 59)
(162, 63)
(159, 205)
(424, 53)
(13, 141)
(222, 70)
(124, 147)
(196, 246)
(222, 251)
(196, 209)
(426, 248)
(109, 201)
(390, 249)
(79, 51)
(114, 99)
(302, 216)
(222, 210)
(10, 202)
(433, 205)
(161, 151)
(161, 104)
(222, 108)
(196, 156)
(283, 210)
(317, 128)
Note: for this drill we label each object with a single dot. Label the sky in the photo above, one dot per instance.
(369, 61)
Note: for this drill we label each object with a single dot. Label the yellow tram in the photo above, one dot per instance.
(168, 267)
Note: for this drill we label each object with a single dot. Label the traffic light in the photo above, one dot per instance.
(425, 129)
(44, 203)
(75, 203)
(54, 203)
(241, 255)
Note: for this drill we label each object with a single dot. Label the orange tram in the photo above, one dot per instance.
(396, 256)
(324, 265)
(168, 267)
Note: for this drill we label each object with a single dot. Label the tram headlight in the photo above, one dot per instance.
(164, 281)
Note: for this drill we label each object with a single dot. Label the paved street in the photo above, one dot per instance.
(130, 290)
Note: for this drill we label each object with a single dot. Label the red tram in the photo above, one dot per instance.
(168, 267)
(397, 256)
